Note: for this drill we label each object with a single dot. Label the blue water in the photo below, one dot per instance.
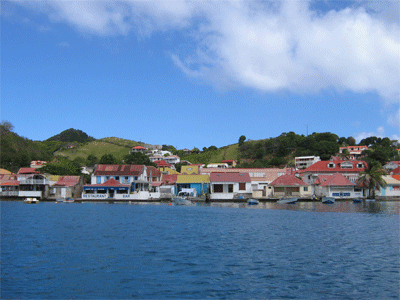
(120, 251)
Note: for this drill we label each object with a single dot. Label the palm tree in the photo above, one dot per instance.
(372, 177)
(345, 155)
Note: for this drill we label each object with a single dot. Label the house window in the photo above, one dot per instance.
(360, 165)
(218, 188)
(331, 165)
(98, 179)
(230, 188)
(126, 179)
(242, 186)
(107, 177)
(117, 178)
(305, 188)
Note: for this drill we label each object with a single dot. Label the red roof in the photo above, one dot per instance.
(169, 179)
(227, 160)
(153, 171)
(134, 170)
(337, 180)
(396, 171)
(68, 181)
(287, 180)
(110, 183)
(162, 163)
(397, 177)
(139, 147)
(230, 177)
(27, 171)
(335, 166)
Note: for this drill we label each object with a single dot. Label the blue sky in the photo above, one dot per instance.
(200, 73)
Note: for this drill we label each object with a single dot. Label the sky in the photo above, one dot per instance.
(201, 73)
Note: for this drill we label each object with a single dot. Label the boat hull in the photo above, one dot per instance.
(31, 201)
(328, 200)
(288, 200)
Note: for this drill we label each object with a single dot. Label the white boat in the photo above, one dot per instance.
(182, 199)
(328, 200)
(31, 200)
(68, 200)
(289, 200)
(252, 202)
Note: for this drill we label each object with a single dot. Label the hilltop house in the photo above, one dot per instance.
(139, 149)
(121, 182)
(229, 185)
(355, 152)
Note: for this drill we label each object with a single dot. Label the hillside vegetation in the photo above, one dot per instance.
(77, 147)
(71, 135)
(97, 148)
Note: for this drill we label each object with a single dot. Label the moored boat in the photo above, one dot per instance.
(357, 200)
(31, 200)
(289, 200)
(69, 200)
(328, 200)
(252, 202)
(182, 199)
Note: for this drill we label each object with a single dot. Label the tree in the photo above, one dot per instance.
(371, 177)
(91, 160)
(108, 159)
(137, 158)
(241, 140)
(345, 155)
(351, 141)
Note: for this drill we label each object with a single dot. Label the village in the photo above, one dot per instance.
(310, 180)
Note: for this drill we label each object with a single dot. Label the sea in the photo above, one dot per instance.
(216, 251)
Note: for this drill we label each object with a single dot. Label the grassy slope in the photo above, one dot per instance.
(97, 148)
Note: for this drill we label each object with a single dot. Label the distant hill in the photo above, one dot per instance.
(71, 135)
(17, 151)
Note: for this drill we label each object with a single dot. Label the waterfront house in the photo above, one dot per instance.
(392, 188)
(349, 169)
(229, 185)
(168, 186)
(260, 177)
(9, 185)
(32, 183)
(198, 183)
(289, 185)
(134, 176)
(337, 186)
(67, 186)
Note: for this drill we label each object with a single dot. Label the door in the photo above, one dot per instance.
(63, 192)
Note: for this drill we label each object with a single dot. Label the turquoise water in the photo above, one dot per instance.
(221, 251)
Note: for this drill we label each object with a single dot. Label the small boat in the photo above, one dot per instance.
(182, 199)
(68, 200)
(252, 202)
(357, 200)
(290, 200)
(31, 201)
(328, 200)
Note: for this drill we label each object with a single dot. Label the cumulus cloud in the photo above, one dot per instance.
(380, 132)
(267, 46)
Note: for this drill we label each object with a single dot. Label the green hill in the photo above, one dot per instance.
(71, 135)
(17, 151)
(97, 148)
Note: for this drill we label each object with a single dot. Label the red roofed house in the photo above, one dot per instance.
(355, 152)
(289, 185)
(32, 184)
(67, 186)
(9, 185)
(227, 186)
(337, 186)
(139, 149)
(349, 169)
(130, 182)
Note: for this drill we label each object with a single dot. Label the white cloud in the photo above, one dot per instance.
(267, 46)
(63, 44)
(394, 119)
(380, 132)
